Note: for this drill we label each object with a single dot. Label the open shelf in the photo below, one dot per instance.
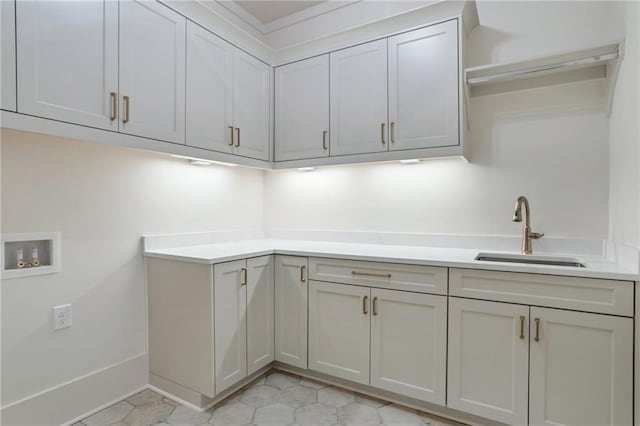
(595, 62)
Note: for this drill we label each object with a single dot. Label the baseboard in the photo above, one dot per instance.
(69, 402)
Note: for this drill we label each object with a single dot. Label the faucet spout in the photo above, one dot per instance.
(527, 235)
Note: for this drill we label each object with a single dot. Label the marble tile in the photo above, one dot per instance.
(314, 384)
(111, 415)
(298, 396)
(431, 420)
(170, 401)
(183, 416)
(335, 397)
(370, 401)
(147, 396)
(273, 415)
(260, 396)
(358, 415)
(396, 415)
(233, 414)
(233, 398)
(316, 415)
(282, 381)
(148, 414)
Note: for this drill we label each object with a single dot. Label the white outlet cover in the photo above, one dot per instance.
(61, 316)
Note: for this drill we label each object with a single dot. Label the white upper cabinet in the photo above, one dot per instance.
(488, 359)
(359, 99)
(8, 40)
(302, 109)
(339, 330)
(230, 335)
(68, 61)
(423, 87)
(260, 332)
(209, 90)
(251, 110)
(409, 344)
(581, 369)
(152, 70)
(291, 293)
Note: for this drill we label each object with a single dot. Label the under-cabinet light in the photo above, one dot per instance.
(306, 169)
(203, 162)
(411, 161)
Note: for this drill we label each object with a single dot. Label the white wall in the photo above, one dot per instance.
(625, 137)
(550, 144)
(102, 199)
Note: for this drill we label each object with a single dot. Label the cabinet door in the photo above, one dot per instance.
(260, 334)
(581, 368)
(409, 344)
(152, 71)
(209, 90)
(339, 327)
(291, 306)
(302, 109)
(423, 87)
(230, 342)
(359, 99)
(68, 61)
(251, 106)
(8, 40)
(488, 359)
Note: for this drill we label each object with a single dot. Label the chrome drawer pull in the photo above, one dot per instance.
(369, 274)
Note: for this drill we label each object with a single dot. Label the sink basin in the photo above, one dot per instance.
(532, 259)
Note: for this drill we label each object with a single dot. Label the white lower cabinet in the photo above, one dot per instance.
(339, 327)
(230, 304)
(291, 297)
(581, 369)
(260, 329)
(409, 344)
(488, 359)
(562, 367)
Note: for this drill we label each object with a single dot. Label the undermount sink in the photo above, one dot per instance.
(532, 259)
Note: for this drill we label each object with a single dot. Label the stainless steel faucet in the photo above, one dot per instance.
(527, 235)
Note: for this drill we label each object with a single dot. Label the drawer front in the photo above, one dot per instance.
(423, 279)
(582, 294)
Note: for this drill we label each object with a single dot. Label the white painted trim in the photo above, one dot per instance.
(179, 400)
(59, 403)
(105, 405)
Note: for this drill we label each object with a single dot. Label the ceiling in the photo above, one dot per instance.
(267, 11)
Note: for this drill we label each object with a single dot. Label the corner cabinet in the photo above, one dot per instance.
(302, 109)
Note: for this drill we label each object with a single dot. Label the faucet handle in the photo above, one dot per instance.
(536, 235)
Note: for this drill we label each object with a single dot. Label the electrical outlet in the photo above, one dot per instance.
(61, 316)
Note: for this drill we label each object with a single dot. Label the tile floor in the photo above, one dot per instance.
(276, 399)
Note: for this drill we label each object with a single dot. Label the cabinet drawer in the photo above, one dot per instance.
(423, 279)
(583, 294)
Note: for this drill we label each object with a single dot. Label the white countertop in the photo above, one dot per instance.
(597, 267)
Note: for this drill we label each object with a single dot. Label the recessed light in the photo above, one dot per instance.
(411, 161)
(306, 169)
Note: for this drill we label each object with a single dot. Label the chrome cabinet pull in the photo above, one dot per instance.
(393, 126)
(302, 278)
(369, 274)
(522, 327)
(382, 133)
(125, 100)
(324, 140)
(364, 305)
(537, 338)
(237, 137)
(374, 308)
(244, 275)
(114, 106)
(231, 138)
